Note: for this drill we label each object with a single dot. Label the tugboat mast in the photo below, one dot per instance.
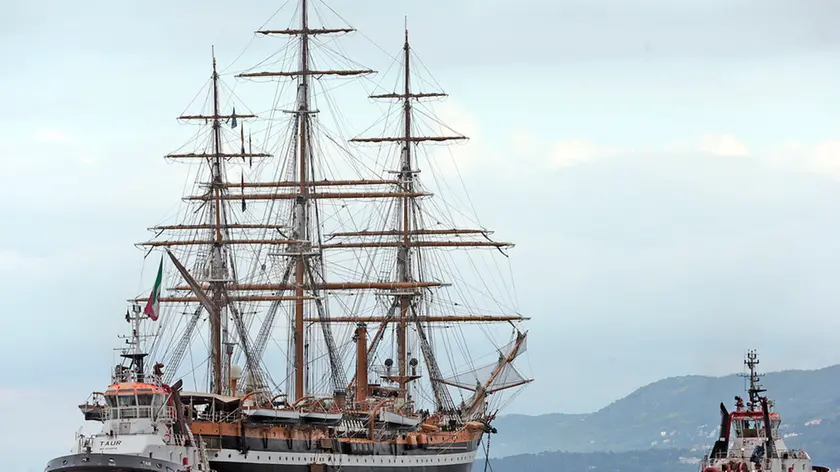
(755, 387)
(135, 352)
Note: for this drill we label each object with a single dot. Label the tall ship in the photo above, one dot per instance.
(757, 445)
(314, 308)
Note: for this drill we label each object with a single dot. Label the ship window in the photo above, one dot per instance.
(127, 400)
(749, 428)
(159, 400)
(144, 400)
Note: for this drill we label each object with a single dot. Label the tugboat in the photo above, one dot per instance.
(143, 426)
(757, 445)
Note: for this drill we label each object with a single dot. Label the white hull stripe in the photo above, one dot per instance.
(232, 456)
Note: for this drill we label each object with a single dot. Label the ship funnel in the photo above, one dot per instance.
(235, 375)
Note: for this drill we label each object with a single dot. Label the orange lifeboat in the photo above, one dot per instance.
(476, 425)
(430, 428)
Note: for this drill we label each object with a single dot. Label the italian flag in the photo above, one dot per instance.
(153, 305)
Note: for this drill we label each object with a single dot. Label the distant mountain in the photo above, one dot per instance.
(682, 412)
(655, 460)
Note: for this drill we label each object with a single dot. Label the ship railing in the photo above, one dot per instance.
(178, 439)
(798, 454)
(155, 413)
(217, 417)
(127, 375)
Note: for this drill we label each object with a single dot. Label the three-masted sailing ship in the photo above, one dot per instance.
(371, 301)
(757, 444)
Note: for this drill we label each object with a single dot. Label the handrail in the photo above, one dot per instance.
(301, 399)
(139, 411)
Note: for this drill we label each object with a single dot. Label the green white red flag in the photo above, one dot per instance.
(152, 309)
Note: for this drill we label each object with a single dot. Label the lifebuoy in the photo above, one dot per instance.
(743, 467)
(167, 438)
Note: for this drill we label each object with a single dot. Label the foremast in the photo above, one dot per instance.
(210, 289)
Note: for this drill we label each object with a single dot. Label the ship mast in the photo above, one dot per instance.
(755, 387)
(301, 204)
(411, 239)
(211, 291)
(217, 270)
(135, 352)
(301, 248)
(407, 184)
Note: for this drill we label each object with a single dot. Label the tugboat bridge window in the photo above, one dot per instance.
(754, 428)
(128, 402)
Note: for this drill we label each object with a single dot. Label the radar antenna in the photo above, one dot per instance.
(751, 362)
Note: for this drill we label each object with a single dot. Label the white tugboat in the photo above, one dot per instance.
(757, 445)
(141, 427)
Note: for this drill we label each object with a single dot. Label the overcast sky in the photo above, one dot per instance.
(670, 172)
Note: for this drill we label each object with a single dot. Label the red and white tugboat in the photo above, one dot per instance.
(143, 426)
(757, 445)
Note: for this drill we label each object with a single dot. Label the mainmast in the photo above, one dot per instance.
(301, 247)
(404, 253)
(301, 205)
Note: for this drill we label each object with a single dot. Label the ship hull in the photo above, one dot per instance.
(110, 462)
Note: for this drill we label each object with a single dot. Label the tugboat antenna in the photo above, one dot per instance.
(751, 362)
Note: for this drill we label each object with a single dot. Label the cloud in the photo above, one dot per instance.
(52, 136)
(572, 152)
(517, 153)
(454, 157)
(822, 157)
(46, 152)
(723, 145)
